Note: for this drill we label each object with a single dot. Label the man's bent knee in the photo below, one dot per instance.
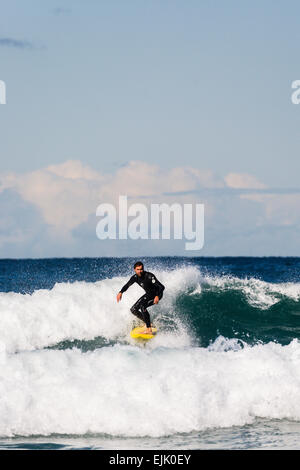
(136, 312)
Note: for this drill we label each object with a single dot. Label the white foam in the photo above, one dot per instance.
(124, 390)
(259, 293)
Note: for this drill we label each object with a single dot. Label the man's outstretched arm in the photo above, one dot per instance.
(125, 287)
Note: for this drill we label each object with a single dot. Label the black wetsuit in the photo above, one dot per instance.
(152, 288)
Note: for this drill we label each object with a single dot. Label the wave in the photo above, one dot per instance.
(128, 391)
(227, 353)
(195, 310)
(82, 311)
(250, 309)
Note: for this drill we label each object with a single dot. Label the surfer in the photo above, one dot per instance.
(154, 292)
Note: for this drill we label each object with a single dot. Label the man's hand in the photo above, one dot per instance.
(119, 296)
(156, 299)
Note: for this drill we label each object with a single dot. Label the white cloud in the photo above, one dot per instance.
(64, 198)
(279, 209)
(243, 181)
(74, 169)
(66, 194)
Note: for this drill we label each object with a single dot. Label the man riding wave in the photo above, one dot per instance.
(154, 292)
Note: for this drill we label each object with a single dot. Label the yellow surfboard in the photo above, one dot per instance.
(137, 333)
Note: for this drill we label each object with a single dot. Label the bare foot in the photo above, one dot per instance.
(147, 331)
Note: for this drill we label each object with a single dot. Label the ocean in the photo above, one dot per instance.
(223, 372)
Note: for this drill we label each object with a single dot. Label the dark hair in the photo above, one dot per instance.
(138, 263)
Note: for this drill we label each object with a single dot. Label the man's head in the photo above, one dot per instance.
(139, 268)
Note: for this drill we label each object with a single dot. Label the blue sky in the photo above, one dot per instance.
(200, 84)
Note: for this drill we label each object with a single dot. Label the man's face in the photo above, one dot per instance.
(139, 270)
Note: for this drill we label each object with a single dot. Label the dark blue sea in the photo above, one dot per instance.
(223, 371)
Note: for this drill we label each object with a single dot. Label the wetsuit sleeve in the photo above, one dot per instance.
(158, 286)
(131, 281)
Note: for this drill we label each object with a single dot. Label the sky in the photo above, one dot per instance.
(164, 101)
